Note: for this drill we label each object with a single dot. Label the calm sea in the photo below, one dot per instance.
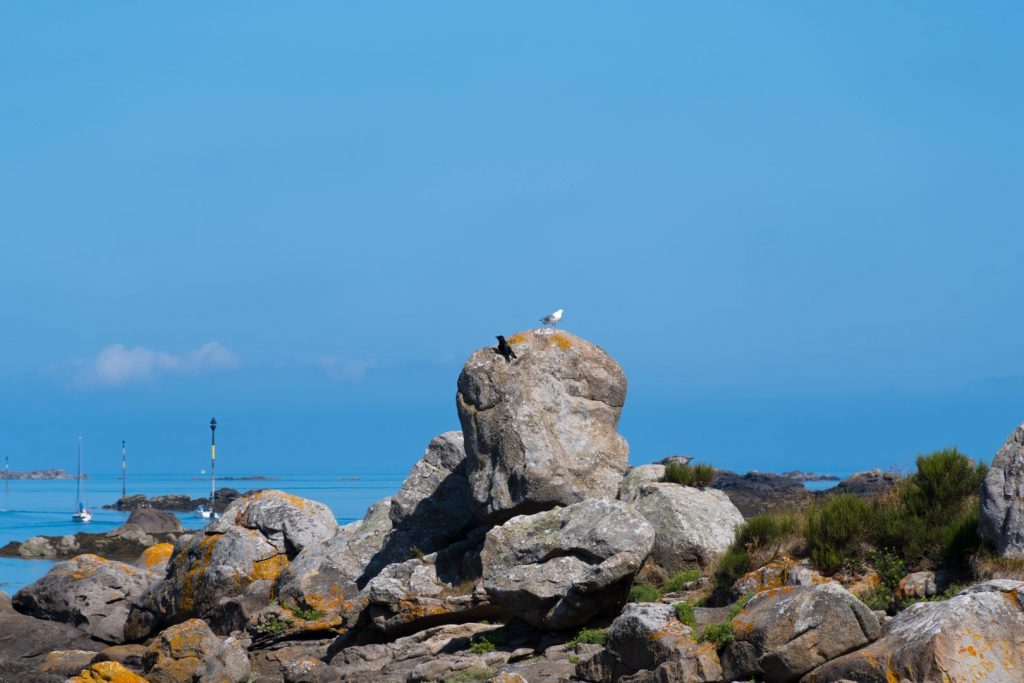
(43, 508)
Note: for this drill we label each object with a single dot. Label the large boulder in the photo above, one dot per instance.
(976, 636)
(783, 633)
(559, 568)
(540, 430)
(649, 638)
(1002, 498)
(88, 591)
(255, 539)
(692, 526)
(638, 477)
(154, 521)
(189, 651)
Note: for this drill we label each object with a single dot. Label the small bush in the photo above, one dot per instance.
(644, 592)
(591, 636)
(718, 635)
(767, 530)
(686, 614)
(680, 579)
(482, 646)
(699, 475)
(731, 566)
(836, 531)
(274, 625)
(306, 614)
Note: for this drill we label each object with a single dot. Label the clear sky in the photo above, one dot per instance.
(798, 226)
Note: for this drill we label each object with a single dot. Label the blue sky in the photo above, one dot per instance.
(796, 225)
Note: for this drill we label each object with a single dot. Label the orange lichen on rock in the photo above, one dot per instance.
(517, 338)
(87, 565)
(562, 341)
(269, 568)
(107, 672)
(295, 501)
(156, 554)
(186, 603)
(334, 601)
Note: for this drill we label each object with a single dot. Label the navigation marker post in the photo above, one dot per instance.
(213, 463)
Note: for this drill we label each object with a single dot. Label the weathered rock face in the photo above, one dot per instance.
(781, 572)
(254, 540)
(638, 477)
(976, 636)
(923, 584)
(783, 633)
(179, 651)
(1002, 498)
(431, 511)
(25, 641)
(649, 637)
(87, 591)
(331, 577)
(439, 588)
(559, 568)
(692, 526)
(540, 430)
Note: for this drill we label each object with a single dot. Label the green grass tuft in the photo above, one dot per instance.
(698, 475)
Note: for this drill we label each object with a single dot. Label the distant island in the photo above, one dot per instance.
(40, 474)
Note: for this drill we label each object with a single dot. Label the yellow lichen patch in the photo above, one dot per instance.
(269, 568)
(107, 672)
(295, 501)
(334, 601)
(156, 554)
(562, 341)
(517, 338)
(186, 603)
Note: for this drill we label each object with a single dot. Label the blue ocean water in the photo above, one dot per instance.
(43, 508)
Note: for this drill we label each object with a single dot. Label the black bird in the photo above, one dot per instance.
(504, 349)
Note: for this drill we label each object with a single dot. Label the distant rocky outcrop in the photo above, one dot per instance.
(124, 544)
(1002, 498)
(175, 502)
(867, 484)
(53, 473)
(540, 430)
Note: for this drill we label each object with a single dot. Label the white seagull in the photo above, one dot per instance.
(553, 318)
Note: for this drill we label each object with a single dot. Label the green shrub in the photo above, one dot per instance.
(731, 566)
(699, 475)
(306, 614)
(943, 481)
(766, 530)
(719, 635)
(592, 636)
(482, 646)
(836, 530)
(686, 614)
(680, 579)
(274, 625)
(644, 592)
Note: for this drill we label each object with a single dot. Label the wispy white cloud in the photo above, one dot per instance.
(344, 369)
(118, 364)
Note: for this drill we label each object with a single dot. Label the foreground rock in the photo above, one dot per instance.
(540, 430)
(107, 672)
(784, 633)
(557, 569)
(255, 539)
(692, 526)
(647, 642)
(190, 651)
(1002, 498)
(88, 591)
(975, 636)
(25, 641)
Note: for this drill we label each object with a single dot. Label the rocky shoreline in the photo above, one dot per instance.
(175, 502)
(524, 548)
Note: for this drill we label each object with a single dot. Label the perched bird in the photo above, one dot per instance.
(553, 318)
(504, 349)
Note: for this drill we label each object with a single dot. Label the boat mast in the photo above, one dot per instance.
(78, 487)
(213, 462)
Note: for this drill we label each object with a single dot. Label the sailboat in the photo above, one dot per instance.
(210, 512)
(82, 513)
